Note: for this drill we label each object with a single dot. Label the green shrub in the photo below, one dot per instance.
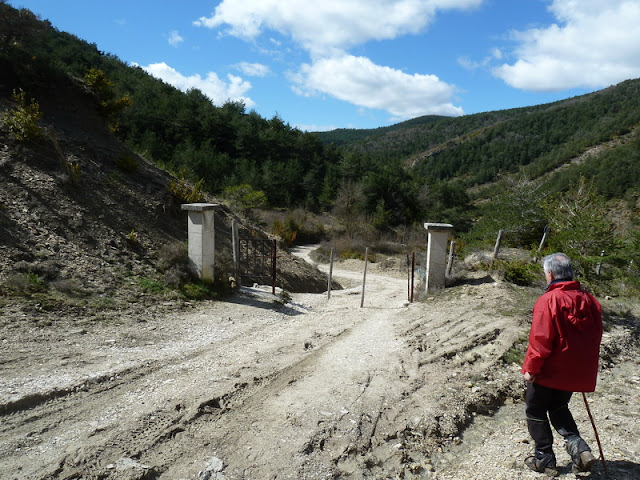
(345, 249)
(132, 238)
(204, 290)
(519, 272)
(151, 285)
(110, 106)
(354, 253)
(287, 230)
(582, 228)
(185, 192)
(75, 171)
(294, 227)
(22, 121)
(516, 353)
(245, 197)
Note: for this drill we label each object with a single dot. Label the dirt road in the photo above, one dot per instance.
(259, 388)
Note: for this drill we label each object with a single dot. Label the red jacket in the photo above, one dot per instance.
(564, 342)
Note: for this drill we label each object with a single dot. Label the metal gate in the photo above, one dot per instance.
(257, 261)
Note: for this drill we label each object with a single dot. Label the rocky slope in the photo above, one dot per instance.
(83, 220)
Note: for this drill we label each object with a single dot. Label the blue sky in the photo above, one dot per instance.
(329, 64)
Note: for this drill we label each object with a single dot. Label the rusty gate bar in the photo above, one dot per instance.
(273, 267)
(257, 260)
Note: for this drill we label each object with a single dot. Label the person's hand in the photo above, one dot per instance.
(529, 378)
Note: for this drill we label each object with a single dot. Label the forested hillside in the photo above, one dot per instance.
(477, 148)
(484, 172)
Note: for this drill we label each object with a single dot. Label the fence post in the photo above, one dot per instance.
(599, 266)
(547, 229)
(408, 278)
(497, 247)
(364, 279)
(413, 271)
(452, 247)
(333, 249)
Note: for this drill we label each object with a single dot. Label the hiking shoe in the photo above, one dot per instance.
(580, 454)
(584, 462)
(542, 463)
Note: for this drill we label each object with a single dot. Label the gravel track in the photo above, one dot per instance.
(258, 388)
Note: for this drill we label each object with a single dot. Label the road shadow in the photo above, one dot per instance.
(264, 301)
(615, 470)
(456, 282)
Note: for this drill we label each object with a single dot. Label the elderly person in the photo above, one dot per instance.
(562, 358)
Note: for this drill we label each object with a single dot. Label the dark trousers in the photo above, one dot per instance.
(545, 404)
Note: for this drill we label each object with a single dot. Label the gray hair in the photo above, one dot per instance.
(558, 264)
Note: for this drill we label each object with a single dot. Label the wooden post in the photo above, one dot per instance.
(599, 266)
(333, 249)
(497, 247)
(452, 248)
(364, 279)
(408, 279)
(413, 270)
(547, 229)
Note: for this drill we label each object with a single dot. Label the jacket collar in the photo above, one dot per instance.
(563, 285)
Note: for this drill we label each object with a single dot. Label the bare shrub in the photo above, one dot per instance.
(24, 284)
(47, 269)
(69, 286)
(174, 263)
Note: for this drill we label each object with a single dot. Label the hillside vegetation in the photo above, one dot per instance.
(89, 228)
(571, 165)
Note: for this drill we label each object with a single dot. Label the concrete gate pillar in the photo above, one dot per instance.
(202, 237)
(437, 254)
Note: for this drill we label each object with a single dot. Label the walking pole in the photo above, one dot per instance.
(593, 424)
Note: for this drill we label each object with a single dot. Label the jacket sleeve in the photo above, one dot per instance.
(541, 337)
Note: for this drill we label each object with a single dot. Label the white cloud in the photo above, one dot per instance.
(175, 39)
(363, 83)
(322, 27)
(467, 63)
(594, 44)
(329, 28)
(253, 69)
(212, 86)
